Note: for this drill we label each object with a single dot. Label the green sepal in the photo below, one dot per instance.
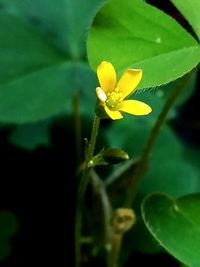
(100, 111)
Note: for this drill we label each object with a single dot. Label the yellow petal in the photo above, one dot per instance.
(134, 107)
(129, 81)
(107, 76)
(114, 115)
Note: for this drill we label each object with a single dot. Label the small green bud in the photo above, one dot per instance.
(114, 155)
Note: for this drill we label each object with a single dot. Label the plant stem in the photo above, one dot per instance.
(82, 189)
(143, 161)
(115, 251)
(91, 144)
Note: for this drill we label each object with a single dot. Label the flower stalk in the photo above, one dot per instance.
(89, 151)
(122, 221)
(112, 99)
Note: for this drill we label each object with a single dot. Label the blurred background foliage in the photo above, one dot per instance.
(43, 67)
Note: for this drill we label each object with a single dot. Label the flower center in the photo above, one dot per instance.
(114, 98)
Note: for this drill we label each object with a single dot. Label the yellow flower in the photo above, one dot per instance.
(112, 95)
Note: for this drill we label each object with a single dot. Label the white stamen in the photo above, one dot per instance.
(101, 94)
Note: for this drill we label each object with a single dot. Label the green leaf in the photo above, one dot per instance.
(189, 88)
(190, 10)
(8, 227)
(65, 22)
(31, 135)
(22, 50)
(175, 224)
(167, 170)
(35, 82)
(132, 132)
(44, 93)
(35, 96)
(192, 155)
(137, 35)
(169, 176)
(7, 6)
(85, 82)
(47, 92)
(28, 76)
(138, 239)
(36, 79)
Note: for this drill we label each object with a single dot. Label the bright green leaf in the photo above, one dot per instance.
(190, 10)
(175, 224)
(135, 34)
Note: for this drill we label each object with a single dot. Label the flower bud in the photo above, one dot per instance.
(122, 220)
(114, 155)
